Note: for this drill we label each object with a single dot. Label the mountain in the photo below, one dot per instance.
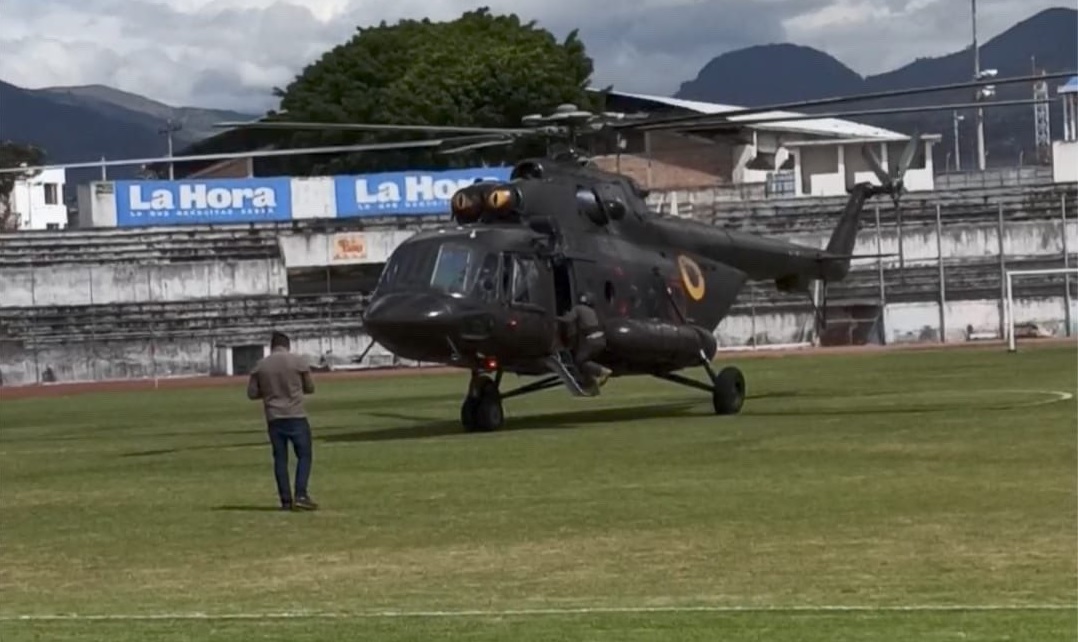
(81, 123)
(197, 123)
(1048, 39)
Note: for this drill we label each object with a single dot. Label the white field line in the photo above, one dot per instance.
(598, 610)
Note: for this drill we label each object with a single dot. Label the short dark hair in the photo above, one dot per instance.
(280, 340)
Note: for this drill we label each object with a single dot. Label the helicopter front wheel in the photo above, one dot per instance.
(728, 391)
(482, 408)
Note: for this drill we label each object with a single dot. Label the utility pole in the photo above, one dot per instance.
(170, 127)
(980, 95)
(957, 153)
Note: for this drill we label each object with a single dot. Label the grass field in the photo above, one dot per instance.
(898, 483)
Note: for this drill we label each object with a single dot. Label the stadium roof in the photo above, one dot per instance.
(1069, 87)
(820, 127)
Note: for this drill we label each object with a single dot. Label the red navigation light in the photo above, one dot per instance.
(512, 322)
(491, 363)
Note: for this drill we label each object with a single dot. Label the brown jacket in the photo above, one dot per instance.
(280, 381)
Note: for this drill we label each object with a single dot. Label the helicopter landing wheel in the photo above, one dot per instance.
(482, 408)
(728, 391)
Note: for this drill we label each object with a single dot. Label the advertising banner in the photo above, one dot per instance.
(187, 202)
(407, 193)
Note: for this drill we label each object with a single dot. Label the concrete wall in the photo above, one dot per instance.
(110, 284)
(340, 248)
(905, 322)
(105, 360)
(919, 242)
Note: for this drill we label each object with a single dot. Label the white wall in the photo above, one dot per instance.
(1065, 161)
(97, 204)
(39, 201)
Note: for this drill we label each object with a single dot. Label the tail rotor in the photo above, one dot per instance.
(892, 183)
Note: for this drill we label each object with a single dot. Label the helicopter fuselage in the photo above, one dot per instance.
(488, 297)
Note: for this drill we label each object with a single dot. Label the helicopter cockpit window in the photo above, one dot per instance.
(452, 269)
(409, 268)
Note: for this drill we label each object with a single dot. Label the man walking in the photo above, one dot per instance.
(281, 380)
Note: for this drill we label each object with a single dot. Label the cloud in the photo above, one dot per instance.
(230, 53)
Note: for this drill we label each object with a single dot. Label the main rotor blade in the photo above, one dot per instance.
(336, 149)
(868, 112)
(479, 145)
(433, 129)
(672, 121)
(871, 112)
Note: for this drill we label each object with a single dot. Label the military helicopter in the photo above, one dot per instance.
(485, 292)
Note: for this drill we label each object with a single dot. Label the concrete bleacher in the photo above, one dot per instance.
(799, 215)
(963, 281)
(142, 246)
(223, 318)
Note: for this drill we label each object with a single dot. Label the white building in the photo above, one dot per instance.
(1065, 152)
(39, 201)
(809, 157)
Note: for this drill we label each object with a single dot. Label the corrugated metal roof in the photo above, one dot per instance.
(1070, 87)
(821, 126)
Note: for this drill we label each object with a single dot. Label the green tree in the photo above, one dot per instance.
(14, 154)
(478, 70)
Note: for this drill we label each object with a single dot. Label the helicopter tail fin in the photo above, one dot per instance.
(844, 238)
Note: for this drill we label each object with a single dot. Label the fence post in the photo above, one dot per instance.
(1002, 276)
(153, 329)
(93, 324)
(752, 308)
(942, 276)
(33, 304)
(879, 267)
(1066, 265)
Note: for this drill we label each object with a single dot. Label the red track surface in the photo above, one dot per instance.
(64, 389)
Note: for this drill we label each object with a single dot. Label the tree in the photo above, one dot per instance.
(14, 154)
(478, 70)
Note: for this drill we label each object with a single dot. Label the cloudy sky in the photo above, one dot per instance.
(228, 53)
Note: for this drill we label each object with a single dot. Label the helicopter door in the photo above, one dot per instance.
(528, 289)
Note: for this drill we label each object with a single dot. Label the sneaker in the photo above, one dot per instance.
(287, 504)
(305, 503)
(604, 374)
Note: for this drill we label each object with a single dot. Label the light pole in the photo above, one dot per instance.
(982, 92)
(170, 127)
(957, 154)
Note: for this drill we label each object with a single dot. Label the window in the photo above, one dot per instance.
(451, 269)
(52, 226)
(524, 281)
(52, 194)
(486, 283)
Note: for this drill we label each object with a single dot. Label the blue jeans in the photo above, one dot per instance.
(298, 431)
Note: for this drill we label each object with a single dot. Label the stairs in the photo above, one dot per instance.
(561, 364)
